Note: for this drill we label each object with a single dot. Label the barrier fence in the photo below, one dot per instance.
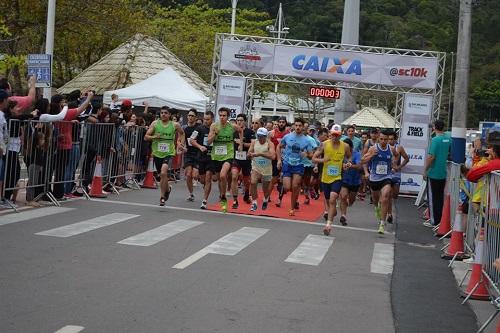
(50, 160)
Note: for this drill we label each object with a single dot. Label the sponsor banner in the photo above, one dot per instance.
(231, 94)
(415, 131)
(410, 182)
(315, 63)
(417, 157)
(416, 104)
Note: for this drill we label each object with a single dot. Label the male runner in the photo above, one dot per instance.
(295, 147)
(308, 167)
(221, 135)
(351, 180)
(396, 172)
(334, 152)
(276, 135)
(200, 141)
(262, 153)
(381, 158)
(356, 142)
(191, 153)
(241, 161)
(162, 134)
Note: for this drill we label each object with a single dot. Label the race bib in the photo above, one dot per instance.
(205, 140)
(241, 155)
(261, 161)
(381, 169)
(163, 147)
(220, 150)
(332, 170)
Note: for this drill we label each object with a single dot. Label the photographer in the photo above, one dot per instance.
(493, 140)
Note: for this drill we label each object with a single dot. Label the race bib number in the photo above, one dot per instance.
(261, 161)
(241, 155)
(205, 140)
(332, 170)
(163, 147)
(381, 169)
(220, 150)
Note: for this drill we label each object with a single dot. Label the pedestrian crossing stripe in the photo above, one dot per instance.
(32, 214)
(311, 251)
(70, 329)
(383, 258)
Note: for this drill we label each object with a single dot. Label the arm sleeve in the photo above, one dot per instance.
(432, 148)
(71, 114)
(54, 117)
(477, 172)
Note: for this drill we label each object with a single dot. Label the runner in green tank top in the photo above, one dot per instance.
(221, 137)
(162, 135)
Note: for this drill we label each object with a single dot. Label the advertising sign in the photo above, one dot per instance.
(40, 65)
(411, 182)
(329, 64)
(418, 105)
(415, 131)
(231, 94)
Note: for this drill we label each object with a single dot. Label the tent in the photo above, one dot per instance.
(371, 117)
(165, 88)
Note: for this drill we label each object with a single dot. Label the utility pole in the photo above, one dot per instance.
(281, 30)
(49, 39)
(233, 16)
(461, 93)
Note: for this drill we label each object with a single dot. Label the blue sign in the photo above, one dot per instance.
(40, 65)
(484, 126)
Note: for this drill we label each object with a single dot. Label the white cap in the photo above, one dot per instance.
(336, 129)
(262, 132)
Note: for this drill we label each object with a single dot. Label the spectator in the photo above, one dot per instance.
(493, 140)
(4, 99)
(435, 171)
(23, 102)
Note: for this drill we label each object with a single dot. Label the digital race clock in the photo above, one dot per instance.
(324, 92)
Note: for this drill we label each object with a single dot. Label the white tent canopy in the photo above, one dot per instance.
(371, 117)
(165, 88)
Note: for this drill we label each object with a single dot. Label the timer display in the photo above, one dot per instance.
(324, 92)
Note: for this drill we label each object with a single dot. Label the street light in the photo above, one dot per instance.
(233, 16)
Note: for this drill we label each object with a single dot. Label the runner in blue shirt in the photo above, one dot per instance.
(351, 180)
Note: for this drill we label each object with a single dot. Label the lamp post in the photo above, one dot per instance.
(233, 16)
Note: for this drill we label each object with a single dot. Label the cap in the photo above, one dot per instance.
(336, 129)
(262, 132)
(127, 103)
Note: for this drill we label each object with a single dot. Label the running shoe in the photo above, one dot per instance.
(326, 230)
(246, 198)
(190, 198)
(278, 203)
(291, 212)
(307, 201)
(264, 205)
(223, 205)
(235, 204)
(343, 220)
(168, 192)
(253, 208)
(203, 204)
(381, 228)
(377, 213)
(389, 219)
(162, 201)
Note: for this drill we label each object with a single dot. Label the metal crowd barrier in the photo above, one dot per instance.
(51, 160)
(492, 228)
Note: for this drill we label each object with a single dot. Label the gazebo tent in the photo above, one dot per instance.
(371, 117)
(165, 88)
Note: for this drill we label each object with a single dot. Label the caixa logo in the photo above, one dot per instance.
(411, 72)
(326, 64)
(416, 157)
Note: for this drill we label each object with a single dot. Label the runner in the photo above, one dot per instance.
(241, 162)
(276, 135)
(334, 152)
(162, 133)
(351, 180)
(308, 166)
(221, 135)
(262, 153)
(295, 147)
(318, 170)
(396, 174)
(364, 181)
(374, 134)
(191, 153)
(380, 158)
(356, 142)
(200, 141)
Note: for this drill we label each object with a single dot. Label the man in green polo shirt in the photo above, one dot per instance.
(162, 134)
(435, 171)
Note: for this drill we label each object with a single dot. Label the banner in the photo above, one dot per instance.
(414, 137)
(231, 94)
(328, 64)
(40, 65)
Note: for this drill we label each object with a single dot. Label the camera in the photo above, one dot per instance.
(482, 153)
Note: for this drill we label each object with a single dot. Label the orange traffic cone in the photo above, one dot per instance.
(477, 287)
(498, 327)
(444, 224)
(456, 248)
(96, 187)
(149, 180)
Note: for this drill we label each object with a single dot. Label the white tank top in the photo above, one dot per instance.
(261, 164)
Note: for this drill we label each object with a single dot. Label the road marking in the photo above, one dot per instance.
(32, 214)
(311, 251)
(87, 225)
(161, 233)
(383, 258)
(253, 217)
(70, 329)
(229, 245)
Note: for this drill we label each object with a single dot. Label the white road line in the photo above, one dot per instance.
(229, 245)
(32, 214)
(161, 233)
(311, 251)
(269, 218)
(70, 329)
(383, 258)
(87, 225)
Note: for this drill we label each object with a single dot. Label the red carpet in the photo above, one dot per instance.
(311, 212)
